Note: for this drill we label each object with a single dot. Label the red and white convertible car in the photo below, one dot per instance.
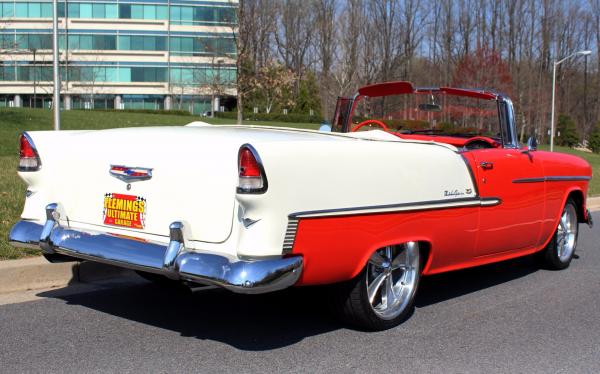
(439, 183)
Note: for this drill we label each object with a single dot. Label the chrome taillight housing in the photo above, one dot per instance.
(29, 159)
(252, 178)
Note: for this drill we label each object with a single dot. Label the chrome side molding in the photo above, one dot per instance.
(172, 260)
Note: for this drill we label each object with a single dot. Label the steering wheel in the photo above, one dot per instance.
(368, 122)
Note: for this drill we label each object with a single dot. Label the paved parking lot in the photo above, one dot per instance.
(509, 317)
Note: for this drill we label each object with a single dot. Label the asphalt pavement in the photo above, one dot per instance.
(508, 317)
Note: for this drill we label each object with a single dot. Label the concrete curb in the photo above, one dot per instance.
(593, 203)
(37, 273)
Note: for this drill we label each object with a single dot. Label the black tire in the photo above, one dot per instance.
(550, 257)
(351, 302)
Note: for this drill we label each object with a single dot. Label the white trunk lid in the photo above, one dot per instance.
(193, 180)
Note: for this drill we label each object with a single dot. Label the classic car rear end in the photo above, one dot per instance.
(147, 199)
(257, 210)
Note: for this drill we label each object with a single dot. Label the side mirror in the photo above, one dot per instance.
(325, 127)
(531, 144)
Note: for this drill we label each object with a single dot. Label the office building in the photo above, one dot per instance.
(121, 54)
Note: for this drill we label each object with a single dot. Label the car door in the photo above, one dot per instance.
(514, 223)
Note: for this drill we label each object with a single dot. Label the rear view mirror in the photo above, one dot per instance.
(532, 144)
(427, 107)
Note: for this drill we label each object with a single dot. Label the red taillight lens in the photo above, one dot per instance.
(248, 164)
(26, 148)
(251, 172)
(29, 160)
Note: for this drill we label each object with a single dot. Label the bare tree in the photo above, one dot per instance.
(294, 35)
(326, 44)
(346, 66)
(355, 42)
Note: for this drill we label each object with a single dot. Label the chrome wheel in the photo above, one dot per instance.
(566, 235)
(392, 274)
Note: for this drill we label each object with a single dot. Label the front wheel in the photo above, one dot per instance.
(382, 295)
(560, 250)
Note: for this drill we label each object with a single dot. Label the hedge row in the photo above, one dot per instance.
(145, 111)
(276, 117)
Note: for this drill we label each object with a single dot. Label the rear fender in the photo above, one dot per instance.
(424, 243)
(579, 198)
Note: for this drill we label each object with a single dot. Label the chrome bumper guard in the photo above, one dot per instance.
(172, 260)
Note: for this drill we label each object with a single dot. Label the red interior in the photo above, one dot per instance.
(455, 141)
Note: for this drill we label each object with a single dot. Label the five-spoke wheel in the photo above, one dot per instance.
(391, 277)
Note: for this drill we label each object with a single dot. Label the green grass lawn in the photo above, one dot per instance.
(14, 121)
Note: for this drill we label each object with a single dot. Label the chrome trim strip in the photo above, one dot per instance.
(557, 178)
(561, 178)
(490, 201)
(171, 260)
(529, 180)
(510, 125)
(471, 174)
(404, 207)
(290, 235)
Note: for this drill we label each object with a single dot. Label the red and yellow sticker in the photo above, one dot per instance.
(124, 210)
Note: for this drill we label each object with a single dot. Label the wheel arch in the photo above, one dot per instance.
(424, 252)
(579, 198)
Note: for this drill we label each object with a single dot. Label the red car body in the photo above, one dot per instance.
(532, 186)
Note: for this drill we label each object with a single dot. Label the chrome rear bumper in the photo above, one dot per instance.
(172, 260)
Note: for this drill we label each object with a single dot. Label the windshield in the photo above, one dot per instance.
(431, 113)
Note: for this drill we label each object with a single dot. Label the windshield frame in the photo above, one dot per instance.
(342, 121)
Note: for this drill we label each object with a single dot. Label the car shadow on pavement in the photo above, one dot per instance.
(269, 321)
(441, 287)
(246, 322)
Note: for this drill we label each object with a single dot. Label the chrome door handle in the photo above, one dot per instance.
(485, 165)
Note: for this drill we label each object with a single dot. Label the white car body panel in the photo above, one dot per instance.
(195, 178)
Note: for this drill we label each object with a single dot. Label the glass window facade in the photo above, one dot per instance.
(7, 10)
(198, 15)
(180, 46)
(200, 46)
(7, 73)
(203, 75)
(120, 74)
(34, 41)
(152, 102)
(7, 41)
(180, 14)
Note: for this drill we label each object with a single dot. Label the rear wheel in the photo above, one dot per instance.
(382, 295)
(560, 250)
